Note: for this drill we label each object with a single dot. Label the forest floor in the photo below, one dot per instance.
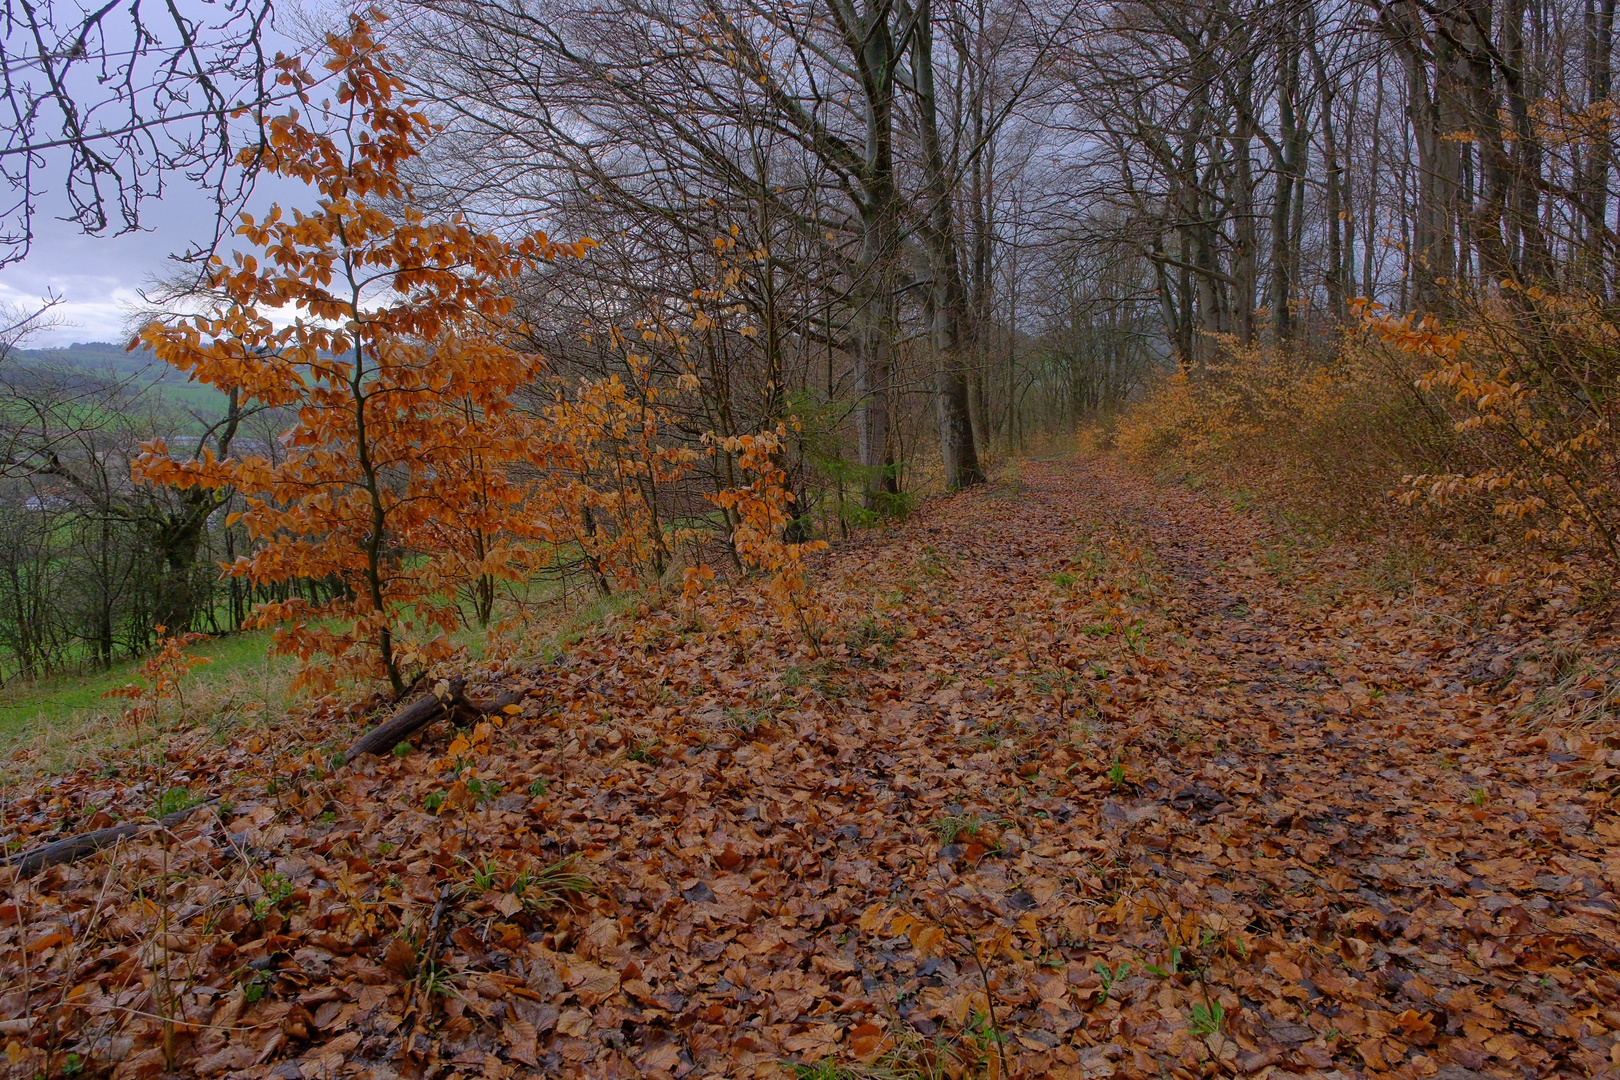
(1092, 778)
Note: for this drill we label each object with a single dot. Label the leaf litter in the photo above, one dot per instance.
(1080, 786)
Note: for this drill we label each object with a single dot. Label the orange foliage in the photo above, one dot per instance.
(396, 482)
(411, 479)
(1500, 423)
(162, 672)
(1318, 439)
(761, 508)
(607, 466)
(1528, 385)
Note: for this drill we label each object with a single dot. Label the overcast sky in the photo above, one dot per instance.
(97, 276)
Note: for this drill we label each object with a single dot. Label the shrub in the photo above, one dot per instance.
(1497, 428)
(1529, 382)
(1319, 441)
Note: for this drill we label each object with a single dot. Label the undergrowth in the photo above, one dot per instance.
(1487, 437)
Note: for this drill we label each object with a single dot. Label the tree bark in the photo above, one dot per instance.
(947, 295)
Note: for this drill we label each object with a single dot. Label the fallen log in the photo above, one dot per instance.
(77, 847)
(449, 698)
(413, 717)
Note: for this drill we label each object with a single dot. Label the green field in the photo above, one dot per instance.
(199, 397)
(58, 718)
(145, 373)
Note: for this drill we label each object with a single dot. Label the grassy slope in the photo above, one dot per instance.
(166, 383)
(62, 718)
(71, 712)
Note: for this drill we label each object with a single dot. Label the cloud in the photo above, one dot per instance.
(94, 308)
(99, 277)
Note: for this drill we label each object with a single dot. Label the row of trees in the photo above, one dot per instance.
(961, 217)
(92, 561)
(1272, 160)
(791, 174)
(917, 229)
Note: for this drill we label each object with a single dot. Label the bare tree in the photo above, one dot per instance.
(818, 133)
(109, 105)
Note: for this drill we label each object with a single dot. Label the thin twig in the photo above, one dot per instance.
(989, 1002)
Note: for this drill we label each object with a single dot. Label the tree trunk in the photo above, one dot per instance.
(868, 37)
(947, 296)
(1333, 187)
(1285, 167)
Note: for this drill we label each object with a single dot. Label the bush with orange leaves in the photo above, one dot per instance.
(607, 459)
(430, 457)
(761, 510)
(162, 673)
(1530, 383)
(1499, 426)
(1318, 440)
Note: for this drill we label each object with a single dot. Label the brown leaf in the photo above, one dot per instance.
(591, 984)
(521, 1039)
(817, 1041)
(662, 1058)
(867, 1041)
(400, 960)
(1372, 1052)
(1417, 1028)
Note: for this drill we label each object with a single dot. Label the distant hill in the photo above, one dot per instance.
(87, 353)
(100, 356)
(139, 365)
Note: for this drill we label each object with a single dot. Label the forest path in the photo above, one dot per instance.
(1306, 761)
(1090, 778)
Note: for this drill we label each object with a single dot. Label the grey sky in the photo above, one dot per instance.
(97, 276)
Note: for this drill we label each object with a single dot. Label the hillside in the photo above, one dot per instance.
(1093, 781)
(139, 367)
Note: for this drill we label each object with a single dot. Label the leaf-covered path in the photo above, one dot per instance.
(1089, 781)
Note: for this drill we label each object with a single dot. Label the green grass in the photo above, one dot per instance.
(200, 397)
(59, 697)
(583, 621)
(65, 718)
(65, 714)
(186, 409)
